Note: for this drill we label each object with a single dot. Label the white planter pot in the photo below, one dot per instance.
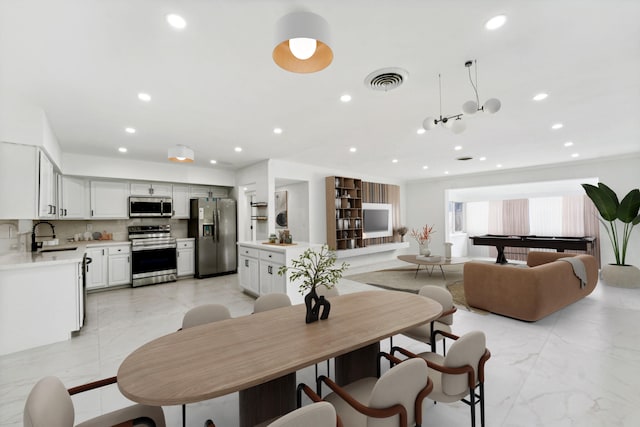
(622, 276)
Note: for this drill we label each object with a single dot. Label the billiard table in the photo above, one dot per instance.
(549, 242)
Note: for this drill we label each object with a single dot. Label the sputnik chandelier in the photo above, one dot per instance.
(455, 122)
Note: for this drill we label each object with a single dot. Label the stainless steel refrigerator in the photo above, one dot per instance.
(213, 225)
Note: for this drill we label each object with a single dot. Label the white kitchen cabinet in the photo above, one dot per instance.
(109, 199)
(150, 189)
(119, 265)
(72, 198)
(47, 205)
(258, 270)
(98, 269)
(248, 270)
(181, 201)
(186, 253)
(41, 303)
(270, 280)
(18, 181)
(198, 191)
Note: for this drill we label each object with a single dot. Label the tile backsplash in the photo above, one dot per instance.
(11, 240)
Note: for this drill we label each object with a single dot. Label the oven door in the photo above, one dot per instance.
(153, 264)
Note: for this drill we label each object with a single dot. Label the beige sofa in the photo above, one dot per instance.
(528, 293)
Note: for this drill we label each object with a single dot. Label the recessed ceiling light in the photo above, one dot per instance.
(568, 144)
(176, 21)
(482, 159)
(277, 131)
(213, 162)
(420, 131)
(540, 97)
(238, 149)
(144, 97)
(575, 155)
(457, 147)
(446, 172)
(345, 98)
(122, 149)
(498, 165)
(353, 149)
(394, 161)
(557, 126)
(425, 167)
(495, 22)
(129, 130)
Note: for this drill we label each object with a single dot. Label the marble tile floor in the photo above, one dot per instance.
(577, 367)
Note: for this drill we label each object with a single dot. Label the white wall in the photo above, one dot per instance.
(426, 198)
(255, 177)
(297, 210)
(315, 176)
(24, 123)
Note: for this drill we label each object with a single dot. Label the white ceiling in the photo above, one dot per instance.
(214, 85)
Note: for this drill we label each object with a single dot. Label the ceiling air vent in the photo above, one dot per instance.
(464, 158)
(386, 79)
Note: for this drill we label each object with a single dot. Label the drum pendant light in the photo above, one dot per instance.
(181, 154)
(302, 43)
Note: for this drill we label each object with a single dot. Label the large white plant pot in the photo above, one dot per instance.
(622, 276)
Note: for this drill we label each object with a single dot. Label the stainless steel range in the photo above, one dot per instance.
(153, 254)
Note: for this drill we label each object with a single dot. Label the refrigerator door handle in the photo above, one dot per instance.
(217, 225)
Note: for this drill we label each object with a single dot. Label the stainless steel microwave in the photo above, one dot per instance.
(147, 207)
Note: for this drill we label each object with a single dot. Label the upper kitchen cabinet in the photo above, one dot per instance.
(150, 189)
(181, 199)
(72, 198)
(211, 191)
(18, 181)
(47, 204)
(109, 199)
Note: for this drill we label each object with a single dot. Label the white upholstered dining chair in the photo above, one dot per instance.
(458, 376)
(270, 302)
(49, 404)
(426, 333)
(393, 400)
(200, 315)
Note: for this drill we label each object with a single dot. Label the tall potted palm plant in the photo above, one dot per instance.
(618, 219)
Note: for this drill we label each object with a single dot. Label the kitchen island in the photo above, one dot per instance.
(259, 262)
(41, 298)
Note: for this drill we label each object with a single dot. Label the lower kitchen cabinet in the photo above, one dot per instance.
(186, 253)
(110, 266)
(119, 265)
(248, 272)
(270, 280)
(98, 269)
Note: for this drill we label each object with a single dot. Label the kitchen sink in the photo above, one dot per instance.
(57, 250)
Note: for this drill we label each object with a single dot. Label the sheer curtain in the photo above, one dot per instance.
(515, 221)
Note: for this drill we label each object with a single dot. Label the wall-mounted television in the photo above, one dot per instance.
(377, 220)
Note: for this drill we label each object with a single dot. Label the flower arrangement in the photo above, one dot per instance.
(315, 268)
(422, 235)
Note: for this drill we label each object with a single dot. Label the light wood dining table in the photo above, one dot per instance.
(259, 354)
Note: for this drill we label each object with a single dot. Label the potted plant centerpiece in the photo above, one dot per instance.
(315, 268)
(618, 219)
(423, 237)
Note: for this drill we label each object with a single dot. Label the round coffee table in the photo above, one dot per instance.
(431, 261)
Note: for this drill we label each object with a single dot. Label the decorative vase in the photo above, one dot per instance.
(447, 250)
(424, 249)
(314, 304)
(621, 276)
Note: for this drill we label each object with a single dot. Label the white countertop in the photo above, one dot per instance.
(40, 259)
(263, 244)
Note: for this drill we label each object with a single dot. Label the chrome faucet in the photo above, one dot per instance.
(35, 245)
